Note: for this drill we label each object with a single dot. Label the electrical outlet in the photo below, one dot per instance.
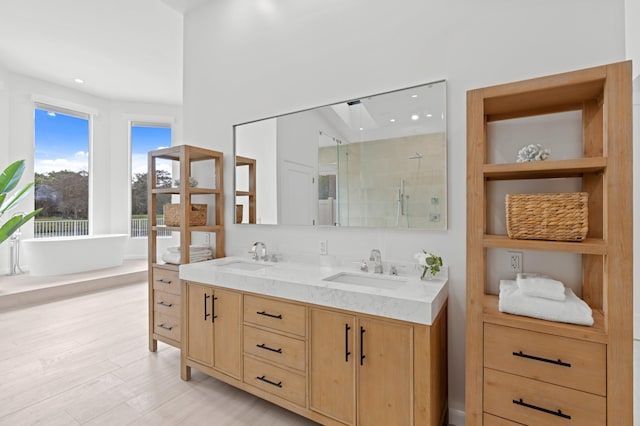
(515, 261)
(323, 247)
(206, 238)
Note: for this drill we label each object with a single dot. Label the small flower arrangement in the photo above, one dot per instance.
(429, 262)
(533, 152)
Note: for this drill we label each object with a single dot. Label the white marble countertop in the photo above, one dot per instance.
(412, 300)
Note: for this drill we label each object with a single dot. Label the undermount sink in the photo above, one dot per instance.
(377, 281)
(245, 266)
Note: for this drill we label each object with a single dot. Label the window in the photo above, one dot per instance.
(61, 167)
(147, 137)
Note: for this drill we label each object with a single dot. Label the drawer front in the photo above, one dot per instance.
(166, 303)
(531, 402)
(283, 350)
(563, 361)
(280, 382)
(489, 420)
(165, 280)
(167, 326)
(275, 314)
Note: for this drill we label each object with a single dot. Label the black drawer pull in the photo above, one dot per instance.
(346, 342)
(279, 384)
(205, 297)
(269, 315)
(161, 281)
(362, 355)
(165, 327)
(168, 305)
(558, 413)
(213, 309)
(263, 346)
(537, 358)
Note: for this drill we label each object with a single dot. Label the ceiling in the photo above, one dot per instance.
(123, 49)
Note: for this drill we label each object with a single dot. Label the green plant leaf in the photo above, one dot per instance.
(13, 224)
(11, 176)
(15, 199)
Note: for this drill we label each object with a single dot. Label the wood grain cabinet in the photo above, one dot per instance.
(332, 366)
(362, 370)
(214, 328)
(164, 320)
(522, 370)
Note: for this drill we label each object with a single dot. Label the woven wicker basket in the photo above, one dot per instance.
(197, 215)
(555, 217)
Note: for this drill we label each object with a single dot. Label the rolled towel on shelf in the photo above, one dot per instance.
(538, 285)
(572, 310)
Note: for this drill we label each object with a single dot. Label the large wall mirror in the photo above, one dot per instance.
(378, 161)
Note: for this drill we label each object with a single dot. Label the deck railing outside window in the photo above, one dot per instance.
(72, 228)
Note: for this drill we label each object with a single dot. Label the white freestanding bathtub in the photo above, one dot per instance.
(67, 255)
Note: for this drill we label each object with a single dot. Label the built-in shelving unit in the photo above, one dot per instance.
(164, 284)
(592, 384)
(250, 163)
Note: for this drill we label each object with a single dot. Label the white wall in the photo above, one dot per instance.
(632, 33)
(109, 168)
(246, 60)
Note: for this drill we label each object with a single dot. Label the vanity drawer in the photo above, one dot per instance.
(531, 402)
(166, 303)
(280, 382)
(274, 347)
(166, 325)
(279, 315)
(166, 280)
(560, 360)
(490, 420)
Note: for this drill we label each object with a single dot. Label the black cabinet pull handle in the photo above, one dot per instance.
(206, 315)
(269, 315)
(346, 342)
(161, 281)
(279, 384)
(168, 305)
(362, 355)
(537, 358)
(213, 309)
(558, 413)
(263, 346)
(165, 327)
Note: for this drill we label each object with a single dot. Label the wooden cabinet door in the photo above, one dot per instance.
(200, 326)
(385, 365)
(227, 348)
(332, 362)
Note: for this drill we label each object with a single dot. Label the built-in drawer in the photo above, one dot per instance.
(573, 363)
(280, 382)
(166, 280)
(274, 347)
(532, 402)
(167, 326)
(490, 420)
(279, 315)
(166, 303)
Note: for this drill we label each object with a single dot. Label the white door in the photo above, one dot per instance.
(297, 195)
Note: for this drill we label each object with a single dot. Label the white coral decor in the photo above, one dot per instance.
(533, 152)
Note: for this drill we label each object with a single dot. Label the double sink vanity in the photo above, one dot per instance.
(331, 343)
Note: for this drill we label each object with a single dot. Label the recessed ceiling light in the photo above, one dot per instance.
(414, 96)
(361, 128)
(393, 120)
(414, 117)
(78, 80)
(429, 115)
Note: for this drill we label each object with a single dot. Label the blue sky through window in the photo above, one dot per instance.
(145, 139)
(62, 142)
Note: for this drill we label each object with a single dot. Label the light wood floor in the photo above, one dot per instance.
(84, 360)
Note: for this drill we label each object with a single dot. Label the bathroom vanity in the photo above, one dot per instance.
(330, 343)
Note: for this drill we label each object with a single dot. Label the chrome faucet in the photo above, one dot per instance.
(259, 247)
(376, 257)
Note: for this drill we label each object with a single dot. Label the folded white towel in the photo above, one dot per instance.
(538, 285)
(174, 258)
(573, 310)
(192, 249)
